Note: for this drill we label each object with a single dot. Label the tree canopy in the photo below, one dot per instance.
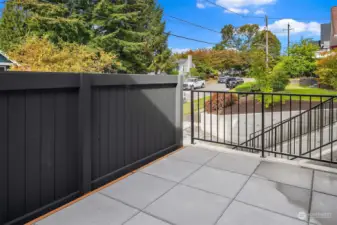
(239, 38)
(327, 69)
(211, 61)
(301, 60)
(132, 30)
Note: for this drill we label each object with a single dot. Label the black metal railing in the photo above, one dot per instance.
(283, 125)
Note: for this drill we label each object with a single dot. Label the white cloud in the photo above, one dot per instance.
(180, 50)
(243, 3)
(239, 6)
(298, 27)
(237, 10)
(200, 5)
(260, 12)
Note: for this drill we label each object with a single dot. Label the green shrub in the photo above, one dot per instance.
(194, 72)
(246, 87)
(220, 102)
(279, 79)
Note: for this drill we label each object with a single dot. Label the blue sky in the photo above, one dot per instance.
(314, 12)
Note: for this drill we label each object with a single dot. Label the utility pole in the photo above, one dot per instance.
(289, 29)
(267, 43)
(288, 37)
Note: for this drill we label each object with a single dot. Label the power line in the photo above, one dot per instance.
(239, 14)
(193, 24)
(190, 39)
(259, 17)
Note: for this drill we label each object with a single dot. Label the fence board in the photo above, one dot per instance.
(3, 158)
(16, 155)
(48, 148)
(61, 154)
(95, 133)
(104, 131)
(72, 142)
(113, 156)
(33, 150)
(120, 127)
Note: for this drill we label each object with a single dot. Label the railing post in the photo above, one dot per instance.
(179, 111)
(262, 125)
(192, 117)
(85, 133)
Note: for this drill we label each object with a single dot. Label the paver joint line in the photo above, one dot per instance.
(177, 183)
(311, 193)
(237, 194)
(139, 209)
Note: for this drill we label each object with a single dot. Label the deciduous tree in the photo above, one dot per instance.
(39, 54)
(327, 69)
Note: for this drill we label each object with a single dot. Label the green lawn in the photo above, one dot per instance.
(294, 89)
(187, 105)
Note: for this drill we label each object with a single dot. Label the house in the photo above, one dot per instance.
(5, 62)
(185, 65)
(328, 35)
(325, 36)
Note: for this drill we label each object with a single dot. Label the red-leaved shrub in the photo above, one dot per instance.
(220, 101)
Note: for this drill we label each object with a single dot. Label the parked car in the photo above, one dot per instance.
(222, 79)
(193, 83)
(239, 80)
(231, 82)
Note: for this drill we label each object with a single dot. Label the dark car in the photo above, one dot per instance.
(239, 80)
(222, 79)
(231, 82)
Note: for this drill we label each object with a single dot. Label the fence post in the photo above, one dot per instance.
(192, 117)
(262, 125)
(179, 111)
(85, 133)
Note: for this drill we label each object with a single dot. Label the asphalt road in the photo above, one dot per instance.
(209, 87)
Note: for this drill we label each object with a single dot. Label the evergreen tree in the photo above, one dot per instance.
(134, 31)
(158, 54)
(40, 18)
(117, 30)
(12, 26)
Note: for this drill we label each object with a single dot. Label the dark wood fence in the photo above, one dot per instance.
(62, 135)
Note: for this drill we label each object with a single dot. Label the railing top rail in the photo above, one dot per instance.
(266, 93)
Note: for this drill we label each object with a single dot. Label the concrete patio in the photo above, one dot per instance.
(200, 186)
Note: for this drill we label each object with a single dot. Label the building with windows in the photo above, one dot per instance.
(185, 65)
(5, 62)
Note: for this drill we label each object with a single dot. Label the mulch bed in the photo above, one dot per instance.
(251, 106)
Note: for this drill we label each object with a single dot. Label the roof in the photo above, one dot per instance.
(5, 60)
(182, 61)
